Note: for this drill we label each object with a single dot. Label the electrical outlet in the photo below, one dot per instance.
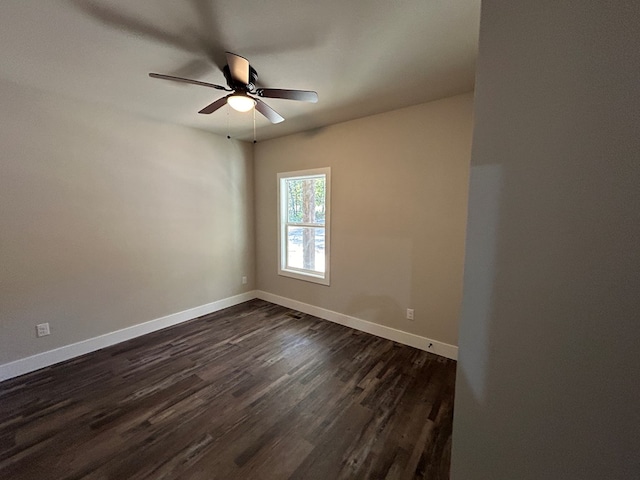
(244, 280)
(409, 313)
(42, 330)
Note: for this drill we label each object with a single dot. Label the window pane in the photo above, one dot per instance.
(303, 230)
(306, 200)
(305, 248)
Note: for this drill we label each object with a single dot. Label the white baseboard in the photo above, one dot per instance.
(51, 357)
(41, 360)
(406, 338)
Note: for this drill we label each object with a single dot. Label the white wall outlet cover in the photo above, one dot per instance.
(42, 329)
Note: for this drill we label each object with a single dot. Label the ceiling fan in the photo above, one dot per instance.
(241, 80)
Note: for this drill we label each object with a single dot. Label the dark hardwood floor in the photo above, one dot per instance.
(255, 391)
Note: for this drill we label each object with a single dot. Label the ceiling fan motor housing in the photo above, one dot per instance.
(235, 85)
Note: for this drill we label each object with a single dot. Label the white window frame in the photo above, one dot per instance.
(301, 274)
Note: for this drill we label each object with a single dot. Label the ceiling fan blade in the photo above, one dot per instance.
(267, 111)
(239, 67)
(301, 95)
(187, 80)
(212, 107)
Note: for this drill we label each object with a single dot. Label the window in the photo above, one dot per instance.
(303, 217)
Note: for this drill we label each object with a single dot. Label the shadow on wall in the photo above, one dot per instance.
(312, 132)
(485, 184)
(375, 308)
(547, 327)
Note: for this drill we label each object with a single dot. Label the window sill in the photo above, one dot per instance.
(307, 277)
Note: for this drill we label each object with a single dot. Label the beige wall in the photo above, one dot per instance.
(107, 220)
(548, 381)
(399, 196)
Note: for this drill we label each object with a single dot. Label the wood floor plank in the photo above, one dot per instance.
(252, 391)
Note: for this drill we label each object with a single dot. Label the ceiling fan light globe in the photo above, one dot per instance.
(241, 103)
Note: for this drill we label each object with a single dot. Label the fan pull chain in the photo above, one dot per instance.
(254, 125)
(228, 132)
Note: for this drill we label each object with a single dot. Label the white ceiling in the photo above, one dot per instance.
(361, 56)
